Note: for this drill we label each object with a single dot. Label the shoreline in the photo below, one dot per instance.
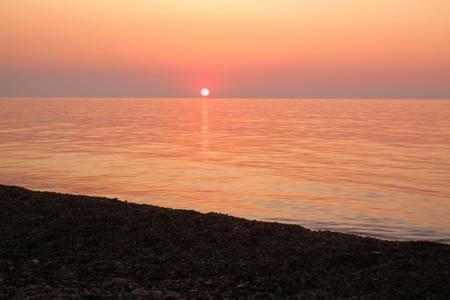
(72, 246)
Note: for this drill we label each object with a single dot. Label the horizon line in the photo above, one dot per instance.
(255, 98)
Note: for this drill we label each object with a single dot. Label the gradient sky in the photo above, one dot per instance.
(237, 48)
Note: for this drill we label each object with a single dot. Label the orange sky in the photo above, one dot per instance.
(238, 48)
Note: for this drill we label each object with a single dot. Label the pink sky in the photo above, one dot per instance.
(237, 48)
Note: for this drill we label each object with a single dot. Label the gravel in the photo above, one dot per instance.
(58, 246)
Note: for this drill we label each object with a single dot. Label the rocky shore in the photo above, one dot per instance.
(58, 246)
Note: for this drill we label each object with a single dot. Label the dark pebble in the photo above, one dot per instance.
(67, 246)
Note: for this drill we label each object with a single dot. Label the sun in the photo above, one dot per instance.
(204, 92)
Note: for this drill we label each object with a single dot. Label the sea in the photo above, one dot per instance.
(378, 168)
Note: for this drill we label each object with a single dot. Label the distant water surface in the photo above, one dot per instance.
(373, 167)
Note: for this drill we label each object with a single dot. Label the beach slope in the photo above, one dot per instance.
(56, 245)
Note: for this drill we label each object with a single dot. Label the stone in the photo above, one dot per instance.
(140, 292)
(156, 294)
(172, 295)
(262, 296)
(32, 286)
(119, 281)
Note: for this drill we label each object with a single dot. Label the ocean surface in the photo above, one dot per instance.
(378, 168)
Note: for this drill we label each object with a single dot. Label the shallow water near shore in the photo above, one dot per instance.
(373, 167)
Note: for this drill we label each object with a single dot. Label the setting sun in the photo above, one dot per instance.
(204, 92)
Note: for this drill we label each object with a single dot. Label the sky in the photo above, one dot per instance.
(236, 48)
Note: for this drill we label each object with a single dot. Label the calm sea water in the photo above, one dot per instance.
(372, 167)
